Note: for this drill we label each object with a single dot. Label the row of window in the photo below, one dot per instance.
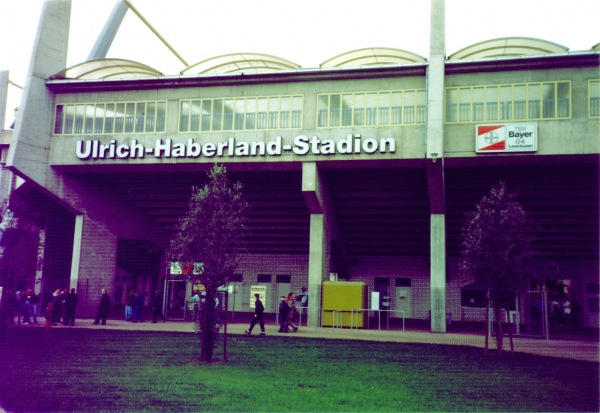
(400, 107)
(527, 101)
(274, 112)
(530, 101)
(110, 118)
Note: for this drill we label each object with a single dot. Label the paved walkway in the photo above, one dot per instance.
(576, 349)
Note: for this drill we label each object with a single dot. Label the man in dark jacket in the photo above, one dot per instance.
(259, 309)
(103, 308)
(284, 309)
(70, 304)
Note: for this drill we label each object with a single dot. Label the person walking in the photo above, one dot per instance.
(70, 304)
(259, 309)
(284, 309)
(129, 305)
(138, 302)
(103, 308)
(157, 307)
(291, 302)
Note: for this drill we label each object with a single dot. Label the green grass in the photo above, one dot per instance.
(103, 370)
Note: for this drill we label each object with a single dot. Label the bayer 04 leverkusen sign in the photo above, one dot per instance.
(509, 137)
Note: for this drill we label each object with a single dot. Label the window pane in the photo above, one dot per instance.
(478, 97)
(334, 110)
(150, 116)
(161, 116)
(491, 103)
(140, 116)
(396, 108)
(451, 105)
(99, 118)
(240, 113)
(58, 119)
(464, 107)
(261, 113)
(549, 93)
(506, 102)
(184, 116)
(520, 102)
(228, 115)
(109, 118)
(297, 111)
(206, 115)
(347, 105)
(563, 91)
(79, 116)
(129, 117)
(533, 101)
(251, 114)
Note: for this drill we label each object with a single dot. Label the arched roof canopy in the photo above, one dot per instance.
(108, 69)
(241, 62)
(596, 47)
(372, 56)
(508, 46)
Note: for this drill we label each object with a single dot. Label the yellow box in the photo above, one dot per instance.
(342, 304)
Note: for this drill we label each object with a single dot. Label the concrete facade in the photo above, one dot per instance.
(387, 213)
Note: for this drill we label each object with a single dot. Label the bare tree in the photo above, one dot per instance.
(496, 248)
(210, 236)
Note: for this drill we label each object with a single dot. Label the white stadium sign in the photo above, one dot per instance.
(512, 137)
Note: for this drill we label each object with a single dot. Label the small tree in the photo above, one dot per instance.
(496, 246)
(211, 236)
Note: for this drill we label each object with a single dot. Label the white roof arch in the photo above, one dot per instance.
(508, 46)
(108, 69)
(241, 62)
(372, 56)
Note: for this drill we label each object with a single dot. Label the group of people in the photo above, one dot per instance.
(24, 307)
(287, 311)
(134, 302)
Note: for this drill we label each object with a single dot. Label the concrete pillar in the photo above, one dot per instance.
(106, 37)
(97, 265)
(438, 273)
(3, 97)
(31, 141)
(76, 256)
(434, 158)
(318, 255)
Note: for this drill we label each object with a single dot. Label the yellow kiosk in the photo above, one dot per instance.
(344, 304)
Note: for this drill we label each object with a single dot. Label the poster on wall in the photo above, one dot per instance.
(510, 137)
(261, 290)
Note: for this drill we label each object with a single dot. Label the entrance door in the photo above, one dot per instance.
(403, 298)
(175, 299)
(382, 286)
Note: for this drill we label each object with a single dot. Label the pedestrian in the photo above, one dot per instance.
(259, 309)
(157, 307)
(138, 302)
(57, 300)
(26, 311)
(103, 308)
(34, 301)
(291, 301)
(284, 309)
(70, 304)
(129, 305)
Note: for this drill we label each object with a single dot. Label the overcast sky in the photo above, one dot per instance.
(307, 32)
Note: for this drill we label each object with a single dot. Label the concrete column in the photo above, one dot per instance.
(3, 97)
(31, 140)
(318, 255)
(106, 37)
(438, 273)
(97, 264)
(434, 158)
(76, 251)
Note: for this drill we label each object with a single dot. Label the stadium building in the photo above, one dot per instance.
(359, 170)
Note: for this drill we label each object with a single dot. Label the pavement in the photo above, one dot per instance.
(584, 348)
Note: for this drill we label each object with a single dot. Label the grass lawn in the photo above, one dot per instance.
(103, 370)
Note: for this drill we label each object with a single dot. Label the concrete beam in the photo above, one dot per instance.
(109, 32)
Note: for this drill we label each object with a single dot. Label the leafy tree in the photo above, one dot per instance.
(210, 236)
(496, 247)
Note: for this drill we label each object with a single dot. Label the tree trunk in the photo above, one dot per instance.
(499, 334)
(207, 331)
(487, 324)
(510, 333)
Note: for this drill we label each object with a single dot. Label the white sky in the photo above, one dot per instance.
(307, 32)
